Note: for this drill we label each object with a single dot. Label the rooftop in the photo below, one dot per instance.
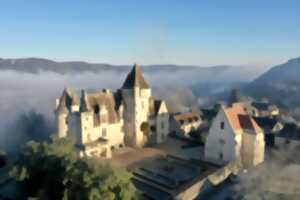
(135, 79)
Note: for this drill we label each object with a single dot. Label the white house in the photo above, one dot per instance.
(235, 135)
(103, 121)
(183, 123)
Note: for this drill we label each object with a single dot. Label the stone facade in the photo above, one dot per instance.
(234, 135)
(103, 121)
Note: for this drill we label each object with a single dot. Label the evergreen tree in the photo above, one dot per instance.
(55, 171)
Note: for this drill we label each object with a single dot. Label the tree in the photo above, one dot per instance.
(2, 159)
(145, 128)
(198, 136)
(55, 171)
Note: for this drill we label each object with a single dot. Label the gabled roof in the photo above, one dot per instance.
(135, 79)
(239, 120)
(94, 102)
(155, 106)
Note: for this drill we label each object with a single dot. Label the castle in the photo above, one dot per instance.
(103, 121)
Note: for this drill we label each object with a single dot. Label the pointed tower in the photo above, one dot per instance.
(86, 119)
(84, 104)
(62, 113)
(136, 94)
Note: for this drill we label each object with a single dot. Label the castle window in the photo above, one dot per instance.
(162, 125)
(67, 121)
(104, 132)
(96, 109)
(143, 105)
(222, 125)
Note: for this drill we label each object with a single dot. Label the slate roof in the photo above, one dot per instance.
(67, 99)
(208, 114)
(155, 106)
(104, 100)
(135, 79)
(290, 131)
(266, 123)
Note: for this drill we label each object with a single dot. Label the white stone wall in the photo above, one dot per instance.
(253, 149)
(136, 112)
(222, 142)
(62, 126)
(87, 124)
(259, 149)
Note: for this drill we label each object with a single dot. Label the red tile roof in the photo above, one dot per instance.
(240, 120)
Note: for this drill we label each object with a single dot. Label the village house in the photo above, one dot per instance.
(103, 121)
(234, 135)
(254, 108)
(182, 124)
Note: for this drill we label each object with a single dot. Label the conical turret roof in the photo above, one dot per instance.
(84, 104)
(135, 79)
(63, 103)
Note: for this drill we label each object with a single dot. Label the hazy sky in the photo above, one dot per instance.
(198, 32)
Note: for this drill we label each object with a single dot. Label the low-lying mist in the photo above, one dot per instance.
(27, 100)
(276, 179)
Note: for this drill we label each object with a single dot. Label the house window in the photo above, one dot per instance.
(181, 121)
(222, 125)
(104, 132)
(221, 156)
(222, 142)
(190, 120)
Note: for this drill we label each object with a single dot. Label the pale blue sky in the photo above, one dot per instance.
(197, 32)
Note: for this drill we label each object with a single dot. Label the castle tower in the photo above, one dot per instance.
(86, 118)
(136, 94)
(62, 113)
